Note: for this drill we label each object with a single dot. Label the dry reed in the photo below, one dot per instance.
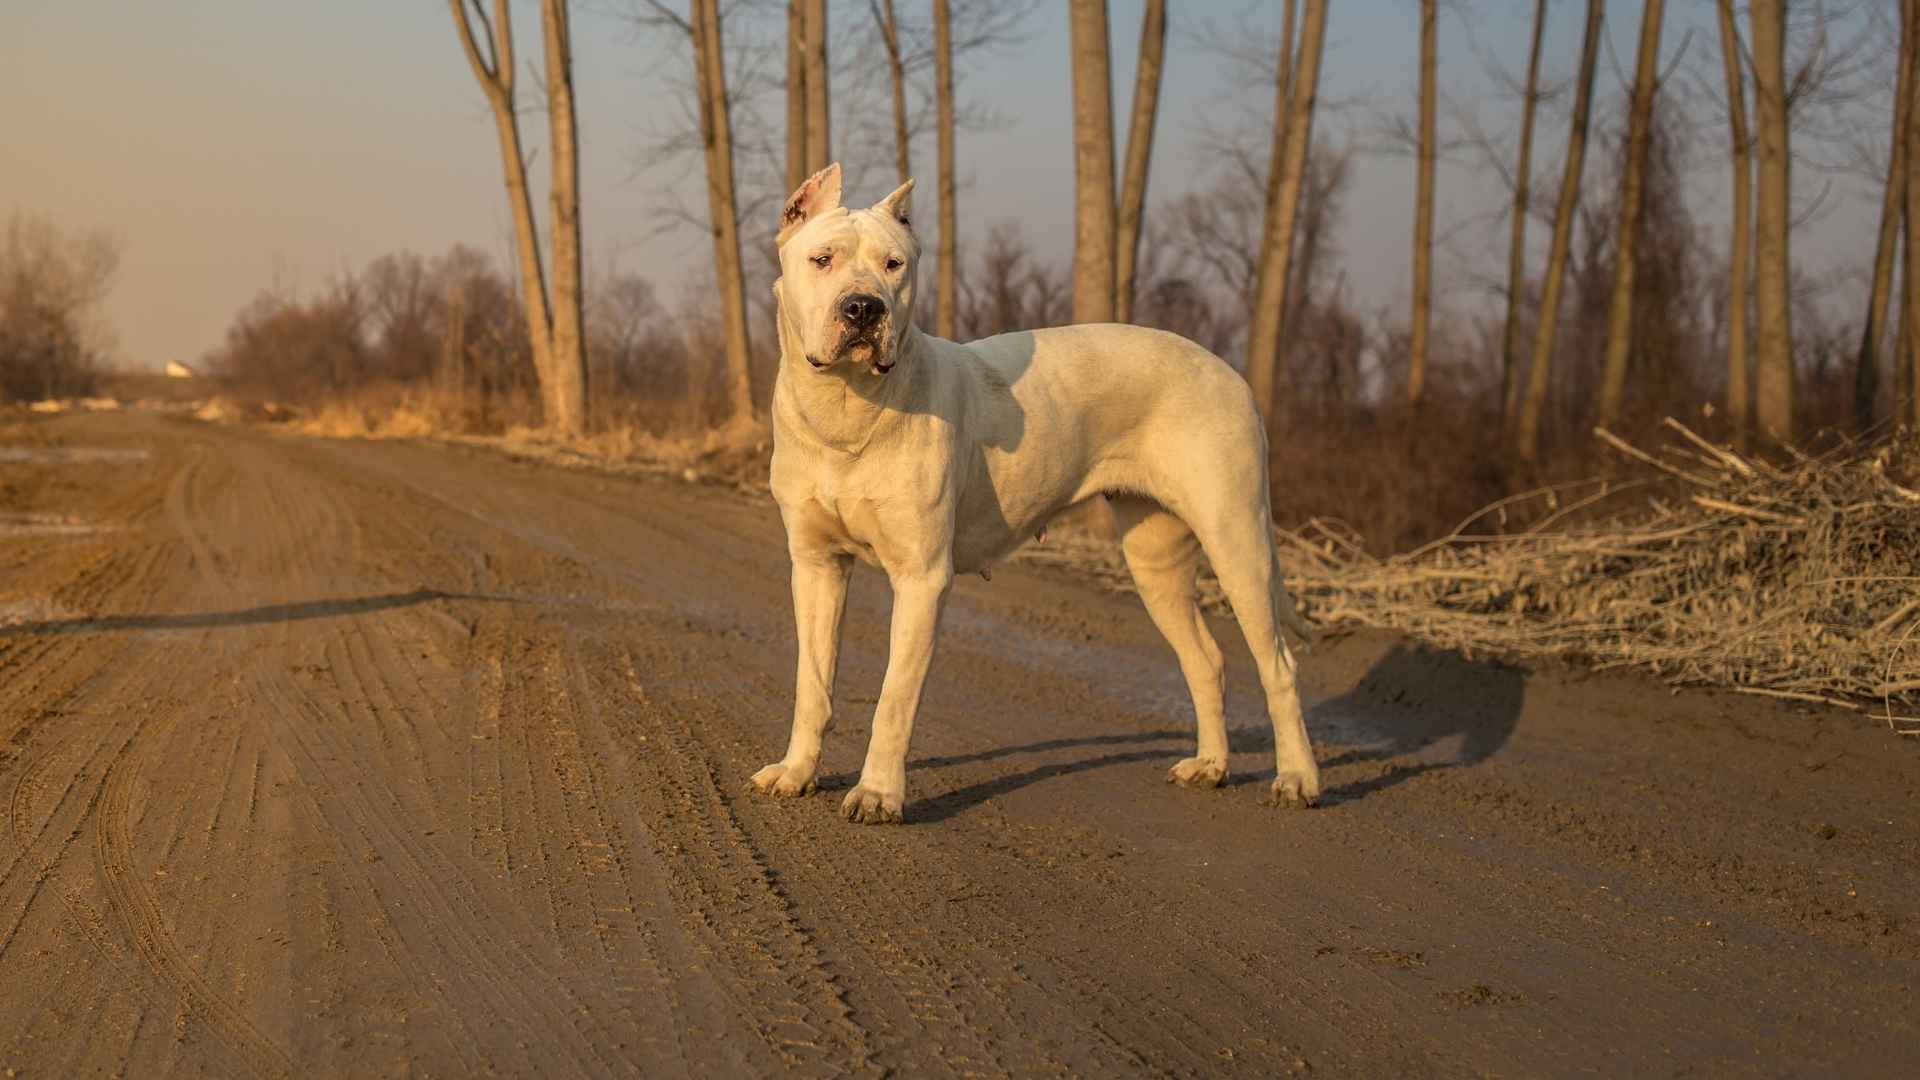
(1793, 581)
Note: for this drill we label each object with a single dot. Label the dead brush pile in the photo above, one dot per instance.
(1797, 581)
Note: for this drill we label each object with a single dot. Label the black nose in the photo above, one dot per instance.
(861, 311)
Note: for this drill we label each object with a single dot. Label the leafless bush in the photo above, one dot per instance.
(439, 342)
(1008, 288)
(52, 281)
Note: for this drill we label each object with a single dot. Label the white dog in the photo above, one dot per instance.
(928, 459)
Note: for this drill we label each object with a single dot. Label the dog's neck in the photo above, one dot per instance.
(843, 406)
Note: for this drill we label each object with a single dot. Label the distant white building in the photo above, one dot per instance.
(178, 370)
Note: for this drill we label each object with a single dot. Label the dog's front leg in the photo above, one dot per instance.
(819, 600)
(918, 599)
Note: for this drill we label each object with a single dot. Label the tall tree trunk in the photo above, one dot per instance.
(569, 359)
(1866, 375)
(1282, 110)
(1740, 262)
(1902, 372)
(1517, 246)
(890, 36)
(1773, 302)
(948, 290)
(1539, 376)
(1093, 232)
(796, 95)
(716, 131)
(1133, 191)
(819, 110)
(1423, 210)
(1304, 266)
(1910, 316)
(1633, 197)
(495, 72)
(1276, 247)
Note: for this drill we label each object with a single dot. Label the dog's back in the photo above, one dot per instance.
(1059, 415)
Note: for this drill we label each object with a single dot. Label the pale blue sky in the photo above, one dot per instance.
(238, 144)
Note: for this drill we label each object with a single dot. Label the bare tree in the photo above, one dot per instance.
(1294, 124)
(1522, 192)
(1133, 191)
(1773, 270)
(819, 111)
(1892, 208)
(554, 329)
(1092, 164)
(897, 67)
(52, 282)
(1903, 373)
(1423, 209)
(569, 356)
(716, 132)
(495, 71)
(1539, 377)
(947, 289)
(1910, 314)
(1740, 262)
(796, 95)
(1646, 79)
(1282, 99)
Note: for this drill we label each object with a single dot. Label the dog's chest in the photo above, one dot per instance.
(840, 511)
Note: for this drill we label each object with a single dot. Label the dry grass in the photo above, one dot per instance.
(630, 434)
(1795, 581)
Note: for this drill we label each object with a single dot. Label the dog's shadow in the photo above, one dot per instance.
(1412, 703)
(1436, 709)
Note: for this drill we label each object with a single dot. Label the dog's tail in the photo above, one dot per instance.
(1289, 615)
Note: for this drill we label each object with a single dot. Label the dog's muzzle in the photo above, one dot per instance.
(862, 310)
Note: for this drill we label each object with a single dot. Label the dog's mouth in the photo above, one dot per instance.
(865, 349)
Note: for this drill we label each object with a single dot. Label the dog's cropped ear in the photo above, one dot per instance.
(818, 195)
(899, 205)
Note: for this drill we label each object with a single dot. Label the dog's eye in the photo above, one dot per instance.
(894, 263)
(823, 261)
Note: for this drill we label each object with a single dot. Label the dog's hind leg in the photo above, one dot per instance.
(1164, 556)
(1239, 543)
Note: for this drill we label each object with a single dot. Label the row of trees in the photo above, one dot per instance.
(1273, 222)
(455, 323)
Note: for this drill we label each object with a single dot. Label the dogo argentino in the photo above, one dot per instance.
(928, 458)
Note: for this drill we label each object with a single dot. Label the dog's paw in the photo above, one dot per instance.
(1295, 791)
(782, 781)
(870, 807)
(1196, 772)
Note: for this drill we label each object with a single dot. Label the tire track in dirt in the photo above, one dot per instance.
(369, 678)
(726, 892)
(131, 907)
(57, 776)
(929, 978)
(152, 935)
(632, 899)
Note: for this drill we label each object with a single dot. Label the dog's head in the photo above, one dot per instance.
(845, 292)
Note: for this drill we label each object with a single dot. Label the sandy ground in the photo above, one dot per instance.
(378, 758)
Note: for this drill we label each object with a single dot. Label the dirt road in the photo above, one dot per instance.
(376, 758)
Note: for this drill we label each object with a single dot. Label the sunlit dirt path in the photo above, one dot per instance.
(330, 758)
